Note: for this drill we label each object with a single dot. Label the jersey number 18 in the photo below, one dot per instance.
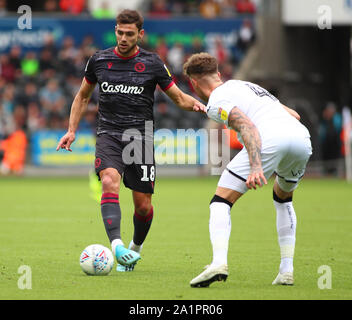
(146, 176)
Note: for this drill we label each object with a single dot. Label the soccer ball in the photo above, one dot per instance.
(96, 260)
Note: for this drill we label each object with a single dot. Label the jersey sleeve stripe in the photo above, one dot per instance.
(90, 82)
(168, 86)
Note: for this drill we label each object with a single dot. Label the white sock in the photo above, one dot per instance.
(220, 229)
(286, 223)
(135, 247)
(114, 243)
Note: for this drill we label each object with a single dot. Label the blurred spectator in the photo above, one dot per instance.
(35, 119)
(49, 45)
(55, 121)
(162, 49)
(329, 135)
(15, 145)
(166, 115)
(68, 50)
(28, 95)
(209, 9)
(30, 64)
(178, 8)
(3, 10)
(73, 84)
(159, 8)
(15, 57)
(6, 122)
(227, 8)
(87, 46)
(219, 51)
(192, 7)
(67, 54)
(79, 64)
(50, 6)
(175, 58)
(3, 123)
(89, 119)
(7, 70)
(246, 35)
(88, 42)
(104, 11)
(197, 45)
(45, 76)
(8, 98)
(226, 69)
(245, 38)
(46, 60)
(145, 43)
(2, 86)
(245, 6)
(52, 99)
(19, 117)
(72, 6)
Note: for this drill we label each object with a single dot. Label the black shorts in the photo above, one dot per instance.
(133, 159)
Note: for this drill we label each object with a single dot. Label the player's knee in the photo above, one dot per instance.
(217, 198)
(279, 194)
(143, 207)
(109, 183)
(282, 197)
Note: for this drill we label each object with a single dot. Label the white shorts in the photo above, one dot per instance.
(286, 156)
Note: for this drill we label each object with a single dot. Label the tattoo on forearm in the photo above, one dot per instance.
(250, 135)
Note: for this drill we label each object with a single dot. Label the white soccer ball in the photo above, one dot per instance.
(96, 260)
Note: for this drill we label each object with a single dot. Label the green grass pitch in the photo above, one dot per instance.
(45, 223)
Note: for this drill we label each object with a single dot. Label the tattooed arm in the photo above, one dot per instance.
(252, 141)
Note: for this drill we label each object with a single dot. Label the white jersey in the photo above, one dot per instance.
(262, 108)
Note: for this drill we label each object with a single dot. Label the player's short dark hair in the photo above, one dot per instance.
(129, 17)
(200, 64)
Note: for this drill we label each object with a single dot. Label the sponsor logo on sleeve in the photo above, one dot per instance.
(222, 114)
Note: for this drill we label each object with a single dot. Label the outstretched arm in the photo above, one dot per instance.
(253, 143)
(78, 108)
(185, 101)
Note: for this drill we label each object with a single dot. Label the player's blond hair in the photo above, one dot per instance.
(200, 64)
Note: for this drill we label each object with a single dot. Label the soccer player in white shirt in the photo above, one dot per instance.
(274, 142)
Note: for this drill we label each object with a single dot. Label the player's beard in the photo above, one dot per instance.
(127, 51)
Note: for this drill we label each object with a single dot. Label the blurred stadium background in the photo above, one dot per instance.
(299, 50)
